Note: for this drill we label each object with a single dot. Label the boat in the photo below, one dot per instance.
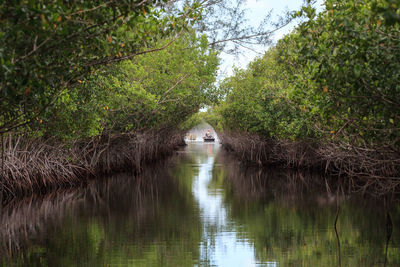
(208, 137)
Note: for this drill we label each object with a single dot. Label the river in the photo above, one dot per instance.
(201, 207)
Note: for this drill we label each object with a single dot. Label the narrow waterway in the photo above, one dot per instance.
(201, 207)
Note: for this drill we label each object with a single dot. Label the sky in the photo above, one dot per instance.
(257, 10)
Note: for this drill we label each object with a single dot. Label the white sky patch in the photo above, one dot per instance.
(257, 10)
(257, 4)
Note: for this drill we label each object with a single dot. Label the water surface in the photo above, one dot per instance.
(201, 207)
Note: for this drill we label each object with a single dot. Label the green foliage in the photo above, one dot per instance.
(211, 116)
(47, 48)
(336, 76)
(260, 100)
(388, 9)
(349, 54)
(150, 92)
(191, 122)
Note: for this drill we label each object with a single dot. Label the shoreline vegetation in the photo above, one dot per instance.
(95, 87)
(38, 166)
(326, 96)
(367, 170)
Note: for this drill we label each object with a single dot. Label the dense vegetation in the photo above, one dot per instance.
(48, 50)
(94, 86)
(88, 86)
(98, 85)
(151, 92)
(333, 82)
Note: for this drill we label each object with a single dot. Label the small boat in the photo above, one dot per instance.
(208, 137)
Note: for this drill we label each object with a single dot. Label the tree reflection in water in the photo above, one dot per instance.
(199, 208)
(290, 217)
(121, 220)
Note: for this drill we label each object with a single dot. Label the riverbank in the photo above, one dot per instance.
(373, 169)
(39, 166)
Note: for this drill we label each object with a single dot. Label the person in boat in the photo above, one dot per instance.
(208, 134)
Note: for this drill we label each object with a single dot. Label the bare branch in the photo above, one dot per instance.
(247, 37)
(92, 9)
(172, 87)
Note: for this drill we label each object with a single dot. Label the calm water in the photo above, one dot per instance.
(201, 208)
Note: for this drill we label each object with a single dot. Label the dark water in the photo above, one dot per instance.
(201, 208)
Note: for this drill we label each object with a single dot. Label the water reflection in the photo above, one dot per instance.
(202, 208)
(220, 245)
(290, 217)
(143, 221)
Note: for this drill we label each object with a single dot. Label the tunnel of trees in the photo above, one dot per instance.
(90, 87)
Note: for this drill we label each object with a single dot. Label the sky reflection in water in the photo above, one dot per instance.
(224, 248)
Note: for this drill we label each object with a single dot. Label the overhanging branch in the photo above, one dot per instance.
(107, 61)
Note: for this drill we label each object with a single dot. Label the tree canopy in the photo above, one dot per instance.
(52, 53)
(49, 47)
(335, 77)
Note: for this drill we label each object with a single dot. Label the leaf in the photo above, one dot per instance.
(43, 18)
(109, 38)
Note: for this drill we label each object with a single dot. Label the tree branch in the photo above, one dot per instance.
(246, 37)
(90, 10)
(107, 61)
